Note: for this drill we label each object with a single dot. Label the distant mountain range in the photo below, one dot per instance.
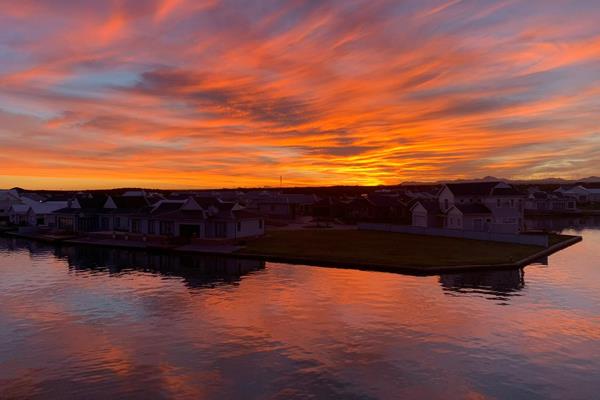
(545, 181)
(591, 180)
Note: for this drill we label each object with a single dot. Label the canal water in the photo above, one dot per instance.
(92, 323)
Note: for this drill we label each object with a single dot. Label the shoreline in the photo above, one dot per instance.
(298, 260)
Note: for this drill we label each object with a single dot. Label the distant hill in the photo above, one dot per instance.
(545, 181)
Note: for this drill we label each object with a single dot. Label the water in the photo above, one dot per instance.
(90, 323)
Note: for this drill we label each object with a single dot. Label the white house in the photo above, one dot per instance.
(478, 206)
(581, 194)
(21, 214)
(7, 199)
(34, 213)
(543, 202)
(426, 213)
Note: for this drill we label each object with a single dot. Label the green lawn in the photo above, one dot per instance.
(385, 249)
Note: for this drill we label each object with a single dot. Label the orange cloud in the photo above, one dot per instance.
(181, 94)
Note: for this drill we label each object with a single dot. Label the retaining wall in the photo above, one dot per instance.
(536, 240)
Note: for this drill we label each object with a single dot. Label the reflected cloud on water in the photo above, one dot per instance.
(558, 224)
(196, 271)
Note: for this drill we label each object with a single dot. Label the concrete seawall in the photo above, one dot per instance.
(405, 269)
(535, 240)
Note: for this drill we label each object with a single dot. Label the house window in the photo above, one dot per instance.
(151, 227)
(260, 224)
(512, 203)
(498, 203)
(135, 226)
(239, 226)
(166, 228)
(117, 222)
(446, 203)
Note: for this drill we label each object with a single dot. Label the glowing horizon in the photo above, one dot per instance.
(222, 93)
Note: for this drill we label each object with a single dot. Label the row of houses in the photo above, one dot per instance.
(194, 217)
(554, 202)
(580, 193)
(482, 207)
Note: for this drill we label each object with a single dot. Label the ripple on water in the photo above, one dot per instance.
(84, 322)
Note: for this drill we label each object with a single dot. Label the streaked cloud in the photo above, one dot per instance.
(180, 93)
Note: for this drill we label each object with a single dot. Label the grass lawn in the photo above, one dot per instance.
(385, 248)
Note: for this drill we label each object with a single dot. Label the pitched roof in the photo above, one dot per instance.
(48, 206)
(205, 202)
(509, 191)
(385, 201)
(471, 188)
(474, 208)
(95, 202)
(240, 214)
(20, 208)
(165, 207)
(130, 203)
(432, 206)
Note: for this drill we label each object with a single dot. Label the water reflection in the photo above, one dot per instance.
(84, 323)
(499, 285)
(197, 271)
(557, 224)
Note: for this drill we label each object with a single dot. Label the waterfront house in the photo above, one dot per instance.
(426, 213)
(478, 206)
(390, 208)
(193, 218)
(284, 206)
(542, 202)
(82, 214)
(119, 213)
(7, 199)
(581, 194)
(21, 214)
(33, 213)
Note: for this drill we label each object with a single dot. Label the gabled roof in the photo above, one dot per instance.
(474, 208)
(91, 203)
(206, 202)
(432, 206)
(385, 201)
(166, 207)
(20, 208)
(48, 207)
(241, 214)
(509, 191)
(540, 195)
(130, 203)
(471, 188)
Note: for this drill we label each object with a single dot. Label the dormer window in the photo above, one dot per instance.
(446, 206)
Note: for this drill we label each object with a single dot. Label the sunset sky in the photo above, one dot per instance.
(223, 93)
